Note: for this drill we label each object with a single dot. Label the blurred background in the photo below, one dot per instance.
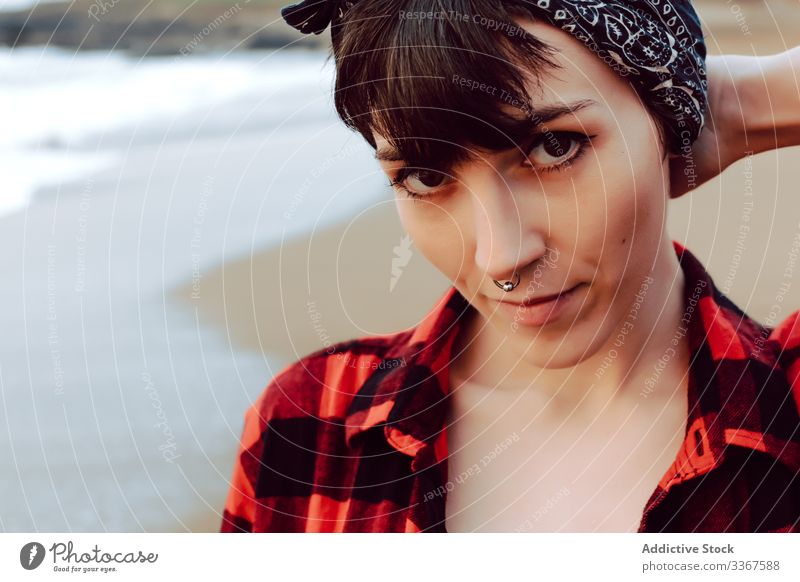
(182, 214)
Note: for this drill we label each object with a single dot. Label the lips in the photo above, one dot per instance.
(528, 301)
(541, 309)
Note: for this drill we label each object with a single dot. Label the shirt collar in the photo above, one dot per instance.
(737, 393)
(408, 395)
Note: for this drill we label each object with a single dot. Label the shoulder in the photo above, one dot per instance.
(778, 352)
(295, 423)
(784, 338)
(786, 333)
(322, 384)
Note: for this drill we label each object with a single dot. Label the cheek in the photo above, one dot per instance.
(437, 234)
(633, 206)
(647, 205)
(633, 224)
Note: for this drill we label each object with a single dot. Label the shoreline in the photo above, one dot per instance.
(299, 296)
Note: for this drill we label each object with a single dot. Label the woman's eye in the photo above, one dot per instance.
(551, 151)
(419, 182)
(556, 150)
(425, 179)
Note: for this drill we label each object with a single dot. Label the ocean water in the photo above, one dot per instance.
(125, 180)
(59, 110)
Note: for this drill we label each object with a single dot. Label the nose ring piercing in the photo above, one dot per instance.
(507, 285)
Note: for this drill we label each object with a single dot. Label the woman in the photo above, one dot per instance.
(583, 373)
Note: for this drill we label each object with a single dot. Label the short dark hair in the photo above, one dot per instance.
(437, 78)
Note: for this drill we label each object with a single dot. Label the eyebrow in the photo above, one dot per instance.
(526, 125)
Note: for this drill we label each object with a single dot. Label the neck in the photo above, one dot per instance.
(648, 364)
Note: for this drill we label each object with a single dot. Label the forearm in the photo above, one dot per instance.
(770, 93)
(753, 106)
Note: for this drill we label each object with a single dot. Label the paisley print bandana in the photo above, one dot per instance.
(657, 44)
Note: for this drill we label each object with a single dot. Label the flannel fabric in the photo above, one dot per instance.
(352, 438)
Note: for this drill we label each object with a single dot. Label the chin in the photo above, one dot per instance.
(555, 348)
(558, 356)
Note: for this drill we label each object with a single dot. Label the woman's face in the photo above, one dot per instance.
(581, 205)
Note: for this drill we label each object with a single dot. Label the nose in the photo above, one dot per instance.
(511, 231)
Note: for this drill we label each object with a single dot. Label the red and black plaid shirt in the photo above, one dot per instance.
(352, 439)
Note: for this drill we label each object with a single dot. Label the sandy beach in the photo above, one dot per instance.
(154, 297)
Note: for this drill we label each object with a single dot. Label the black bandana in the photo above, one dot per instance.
(657, 44)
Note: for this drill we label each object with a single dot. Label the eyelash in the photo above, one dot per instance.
(583, 140)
